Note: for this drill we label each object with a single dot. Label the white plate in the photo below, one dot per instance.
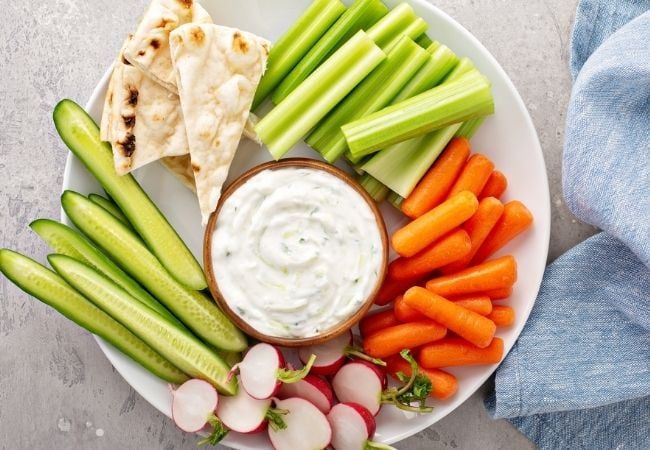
(508, 138)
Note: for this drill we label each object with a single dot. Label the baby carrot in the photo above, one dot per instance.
(465, 323)
(404, 312)
(458, 352)
(447, 249)
(478, 227)
(495, 187)
(479, 304)
(434, 186)
(443, 384)
(497, 273)
(515, 219)
(499, 294)
(392, 288)
(474, 175)
(392, 340)
(424, 230)
(377, 321)
(502, 316)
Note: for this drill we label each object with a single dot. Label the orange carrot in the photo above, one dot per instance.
(479, 304)
(434, 186)
(393, 340)
(424, 230)
(455, 351)
(392, 288)
(377, 321)
(443, 384)
(502, 316)
(404, 312)
(497, 273)
(495, 187)
(515, 219)
(465, 323)
(499, 294)
(474, 175)
(478, 227)
(449, 248)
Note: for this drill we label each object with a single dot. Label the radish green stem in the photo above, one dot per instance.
(356, 353)
(293, 376)
(274, 416)
(219, 431)
(296, 42)
(377, 445)
(416, 388)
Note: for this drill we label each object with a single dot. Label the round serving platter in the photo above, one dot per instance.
(508, 138)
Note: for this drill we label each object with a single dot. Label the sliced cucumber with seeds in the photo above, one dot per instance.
(195, 310)
(109, 206)
(180, 347)
(81, 135)
(63, 239)
(52, 290)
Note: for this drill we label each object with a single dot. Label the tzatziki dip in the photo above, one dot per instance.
(296, 251)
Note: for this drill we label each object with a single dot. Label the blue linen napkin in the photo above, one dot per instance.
(579, 375)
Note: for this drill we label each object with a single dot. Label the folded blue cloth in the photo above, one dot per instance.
(579, 375)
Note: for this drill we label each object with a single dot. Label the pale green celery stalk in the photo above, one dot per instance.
(289, 121)
(375, 92)
(453, 102)
(424, 41)
(296, 42)
(413, 30)
(373, 187)
(464, 66)
(395, 199)
(360, 16)
(392, 25)
(469, 128)
(400, 167)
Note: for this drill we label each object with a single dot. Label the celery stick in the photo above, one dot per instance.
(373, 187)
(392, 24)
(424, 41)
(296, 42)
(470, 127)
(413, 30)
(375, 92)
(464, 66)
(453, 102)
(360, 16)
(289, 121)
(412, 157)
(395, 200)
(441, 61)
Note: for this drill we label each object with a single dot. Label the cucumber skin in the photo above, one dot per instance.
(63, 239)
(180, 347)
(32, 278)
(111, 207)
(194, 309)
(81, 135)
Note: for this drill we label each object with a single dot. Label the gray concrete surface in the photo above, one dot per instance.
(56, 388)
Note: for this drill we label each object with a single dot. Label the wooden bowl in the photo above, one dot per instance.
(212, 279)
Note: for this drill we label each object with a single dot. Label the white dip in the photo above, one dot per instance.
(296, 251)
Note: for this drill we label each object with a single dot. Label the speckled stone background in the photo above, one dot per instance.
(57, 390)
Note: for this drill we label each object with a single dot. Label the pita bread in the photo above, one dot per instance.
(149, 48)
(217, 71)
(181, 167)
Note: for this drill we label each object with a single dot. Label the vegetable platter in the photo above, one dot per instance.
(396, 94)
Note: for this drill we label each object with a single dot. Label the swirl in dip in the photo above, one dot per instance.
(296, 251)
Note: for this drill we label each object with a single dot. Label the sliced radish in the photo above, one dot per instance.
(243, 413)
(360, 382)
(352, 427)
(262, 371)
(305, 426)
(313, 389)
(193, 405)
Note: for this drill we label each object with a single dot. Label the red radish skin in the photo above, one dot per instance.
(352, 428)
(306, 427)
(330, 356)
(360, 382)
(243, 413)
(313, 389)
(193, 403)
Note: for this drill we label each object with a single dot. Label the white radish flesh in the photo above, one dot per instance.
(352, 426)
(258, 371)
(313, 389)
(243, 413)
(306, 427)
(193, 403)
(360, 382)
(330, 355)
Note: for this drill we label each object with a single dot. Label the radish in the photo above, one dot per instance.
(193, 405)
(352, 428)
(313, 389)
(245, 414)
(360, 382)
(306, 427)
(262, 371)
(331, 355)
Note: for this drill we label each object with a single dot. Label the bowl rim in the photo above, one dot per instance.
(213, 285)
